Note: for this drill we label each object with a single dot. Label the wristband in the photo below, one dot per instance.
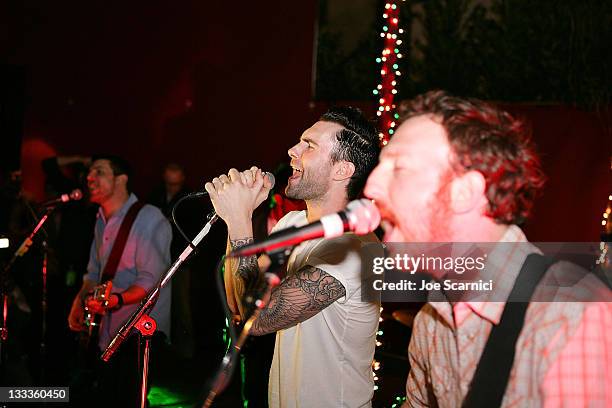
(119, 301)
(119, 304)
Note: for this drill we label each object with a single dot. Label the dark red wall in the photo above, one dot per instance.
(120, 77)
(215, 85)
(576, 148)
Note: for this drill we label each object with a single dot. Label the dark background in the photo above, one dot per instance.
(216, 85)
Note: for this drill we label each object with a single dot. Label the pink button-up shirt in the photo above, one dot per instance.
(563, 354)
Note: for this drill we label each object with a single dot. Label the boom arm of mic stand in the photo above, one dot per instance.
(148, 302)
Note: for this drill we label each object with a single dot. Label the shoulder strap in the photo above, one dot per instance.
(124, 231)
(490, 380)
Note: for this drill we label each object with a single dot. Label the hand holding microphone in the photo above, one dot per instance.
(236, 195)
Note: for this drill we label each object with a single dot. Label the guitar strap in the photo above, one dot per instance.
(124, 231)
(490, 380)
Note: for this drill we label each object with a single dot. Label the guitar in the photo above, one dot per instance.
(89, 335)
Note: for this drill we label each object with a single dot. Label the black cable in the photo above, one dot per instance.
(228, 363)
(178, 227)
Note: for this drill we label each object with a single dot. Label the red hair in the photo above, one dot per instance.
(488, 140)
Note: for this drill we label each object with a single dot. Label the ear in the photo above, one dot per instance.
(467, 192)
(343, 170)
(121, 180)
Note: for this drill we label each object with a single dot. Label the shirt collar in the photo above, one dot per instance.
(122, 211)
(503, 266)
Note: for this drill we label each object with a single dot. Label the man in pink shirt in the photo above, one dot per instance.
(460, 170)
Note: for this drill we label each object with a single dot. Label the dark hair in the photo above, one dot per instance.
(492, 142)
(173, 166)
(119, 166)
(357, 143)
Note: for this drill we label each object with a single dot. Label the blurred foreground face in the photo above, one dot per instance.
(409, 185)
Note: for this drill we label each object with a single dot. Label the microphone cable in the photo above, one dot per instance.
(176, 224)
(219, 270)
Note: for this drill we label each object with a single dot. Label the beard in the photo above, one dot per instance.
(310, 185)
(439, 214)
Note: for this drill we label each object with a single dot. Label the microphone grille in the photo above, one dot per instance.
(270, 178)
(76, 194)
(363, 216)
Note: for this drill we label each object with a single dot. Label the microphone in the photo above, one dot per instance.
(212, 216)
(202, 193)
(360, 216)
(74, 195)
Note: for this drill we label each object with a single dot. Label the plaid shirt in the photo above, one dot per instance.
(563, 354)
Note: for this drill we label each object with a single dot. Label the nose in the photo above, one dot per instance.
(293, 151)
(374, 188)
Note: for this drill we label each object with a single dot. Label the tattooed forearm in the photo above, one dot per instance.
(298, 298)
(247, 265)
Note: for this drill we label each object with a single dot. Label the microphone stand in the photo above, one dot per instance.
(21, 251)
(278, 257)
(145, 324)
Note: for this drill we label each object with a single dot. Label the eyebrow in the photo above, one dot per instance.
(307, 140)
(97, 167)
(389, 153)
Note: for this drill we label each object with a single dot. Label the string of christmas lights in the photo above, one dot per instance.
(604, 245)
(604, 259)
(389, 71)
(386, 92)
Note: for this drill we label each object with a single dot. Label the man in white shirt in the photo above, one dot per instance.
(325, 331)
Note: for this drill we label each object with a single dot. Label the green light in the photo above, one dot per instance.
(395, 66)
(390, 131)
(378, 60)
(245, 401)
(396, 116)
(159, 396)
(380, 333)
(393, 6)
(375, 92)
(385, 28)
(396, 50)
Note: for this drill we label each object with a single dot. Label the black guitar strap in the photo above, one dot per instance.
(490, 380)
(124, 231)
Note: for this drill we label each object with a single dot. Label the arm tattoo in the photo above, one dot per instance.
(247, 265)
(298, 298)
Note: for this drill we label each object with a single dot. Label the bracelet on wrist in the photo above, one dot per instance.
(119, 304)
(119, 301)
